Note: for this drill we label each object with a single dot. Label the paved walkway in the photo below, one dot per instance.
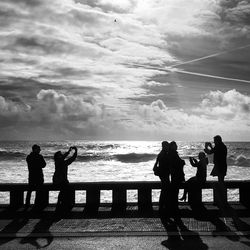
(23, 231)
(21, 227)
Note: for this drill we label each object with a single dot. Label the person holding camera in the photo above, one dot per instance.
(220, 157)
(60, 179)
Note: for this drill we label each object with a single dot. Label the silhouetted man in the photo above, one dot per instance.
(220, 157)
(161, 169)
(176, 165)
(36, 163)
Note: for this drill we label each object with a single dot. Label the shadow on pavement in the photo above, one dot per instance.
(180, 237)
(42, 226)
(12, 228)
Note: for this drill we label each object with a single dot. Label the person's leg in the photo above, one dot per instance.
(68, 199)
(59, 199)
(221, 179)
(27, 201)
(222, 191)
(174, 201)
(163, 196)
(40, 200)
(184, 196)
(188, 185)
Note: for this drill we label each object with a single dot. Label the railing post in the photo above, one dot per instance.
(144, 199)
(244, 194)
(119, 199)
(92, 200)
(16, 198)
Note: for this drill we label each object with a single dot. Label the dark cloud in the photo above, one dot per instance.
(39, 45)
(236, 12)
(72, 72)
(26, 3)
(24, 90)
(52, 112)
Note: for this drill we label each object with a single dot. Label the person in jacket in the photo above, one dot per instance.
(219, 159)
(176, 165)
(161, 169)
(36, 163)
(60, 179)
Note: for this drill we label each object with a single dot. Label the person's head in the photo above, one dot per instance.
(165, 145)
(201, 155)
(217, 139)
(36, 149)
(58, 155)
(173, 146)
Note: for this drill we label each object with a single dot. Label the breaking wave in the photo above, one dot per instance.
(240, 160)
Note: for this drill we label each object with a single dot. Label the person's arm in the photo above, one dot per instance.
(67, 153)
(193, 162)
(73, 157)
(209, 148)
(43, 162)
(156, 163)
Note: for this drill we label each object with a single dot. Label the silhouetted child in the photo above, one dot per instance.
(60, 179)
(201, 173)
(36, 163)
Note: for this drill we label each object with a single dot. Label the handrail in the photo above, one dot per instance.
(119, 192)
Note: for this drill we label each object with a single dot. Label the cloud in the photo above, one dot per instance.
(73, 64)
(56, 115)
(9, 108)
(70, 108)
(227, 105)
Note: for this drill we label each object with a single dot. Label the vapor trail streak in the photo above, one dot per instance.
(209, 56)
(211, 76)
(172, 68)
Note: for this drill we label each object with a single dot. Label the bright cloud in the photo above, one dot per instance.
(228, 105)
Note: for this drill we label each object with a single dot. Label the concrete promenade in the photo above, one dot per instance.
(228, 229)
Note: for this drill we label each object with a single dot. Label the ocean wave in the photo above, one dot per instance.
(134, 158)
(7, 155)
(98, 146)
(240, 160)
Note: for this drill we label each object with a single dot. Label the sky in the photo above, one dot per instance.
(124, 70)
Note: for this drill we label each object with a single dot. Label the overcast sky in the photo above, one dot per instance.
(127, 69)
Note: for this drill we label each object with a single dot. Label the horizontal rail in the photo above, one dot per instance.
(119, 192)
(123, 184)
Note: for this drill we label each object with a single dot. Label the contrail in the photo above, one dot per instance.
(172, 69)
(190, 73)
(211, 76)
(209, 56)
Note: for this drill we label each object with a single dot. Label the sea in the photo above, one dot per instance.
(116, 161)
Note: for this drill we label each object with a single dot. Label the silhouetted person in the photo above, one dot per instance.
(161, 169)
(60, 179)
(200, 177)
(220, 157)
(36, 163)
(176, 165)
